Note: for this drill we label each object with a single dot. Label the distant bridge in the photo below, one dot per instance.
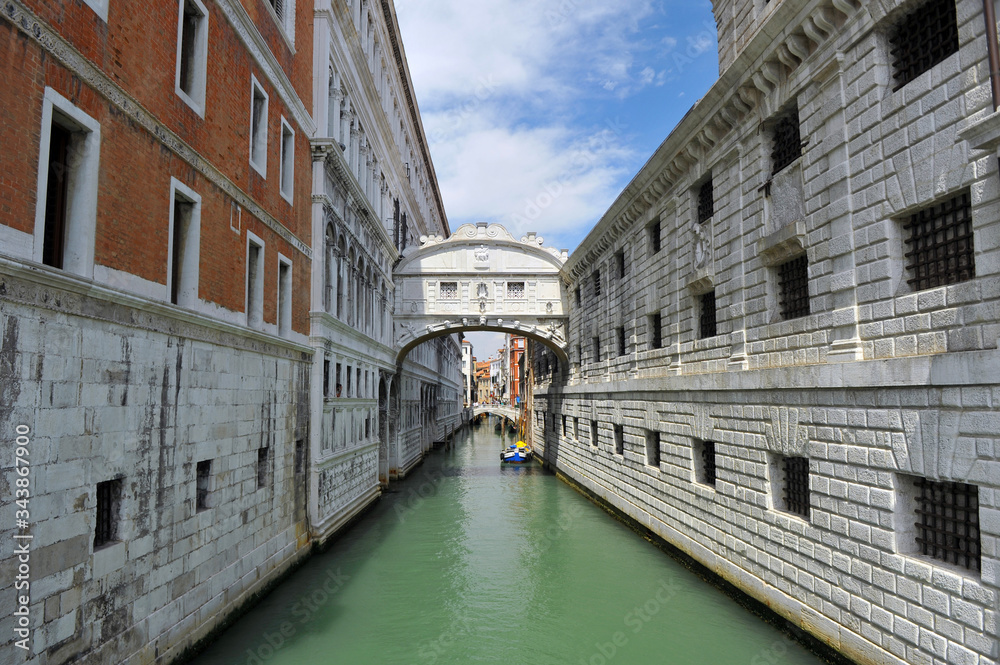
(506, 411)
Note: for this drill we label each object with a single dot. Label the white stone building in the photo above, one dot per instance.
(783, 333)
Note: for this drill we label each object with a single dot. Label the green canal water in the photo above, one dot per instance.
(467, 562)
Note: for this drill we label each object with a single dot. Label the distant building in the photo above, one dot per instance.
(468, 371)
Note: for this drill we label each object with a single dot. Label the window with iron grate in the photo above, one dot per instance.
(705, 462)
(597, 282)
(594, 433)
(706, 201)
(203, 480)
(786, 142)
(515, 290)
(109, 497)
(940, 244)
(579, 299)
(922, 39)
(795, 485)
(654, 237)
(707, 320)
(947, 521)
(656, 331)
(448, 291)
(279, 8)
(793, 288)
(622, 341)
(619, 431)
(620, 260)
(597, 349)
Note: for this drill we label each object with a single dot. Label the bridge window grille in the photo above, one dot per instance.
(922, 39)
(796, 474)
(622, 341)
(654, 237)
(597, 283)
(515, 290)
(109, 496)
(653, 448)
(940, 244)
(620, 259)
(707, 322)
(706, 202)
(597, 349)
(947, 526)
(793, 285)
(594, 433)
(787, 144)
(263, 459)
(203, 479)
(449, 291)
(656, 331)
(619, 439)
(708, 466)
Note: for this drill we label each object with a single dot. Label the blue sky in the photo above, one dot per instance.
(538, 113)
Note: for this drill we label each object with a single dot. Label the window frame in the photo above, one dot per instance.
(254, 293)
(258, 139)
(191, 258)
(196, 98)
(283, 304)
(286, 162)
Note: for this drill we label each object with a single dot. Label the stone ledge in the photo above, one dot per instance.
(983, 134)
(785, 243)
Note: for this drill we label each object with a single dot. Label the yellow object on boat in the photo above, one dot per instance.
(521, 444)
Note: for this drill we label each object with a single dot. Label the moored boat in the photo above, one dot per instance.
(516, 453)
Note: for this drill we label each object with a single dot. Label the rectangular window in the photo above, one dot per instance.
(255, 282)
(656, 331)
(326, 377)
(922, 39)
(300, 457)
(192, 54)
(594, 434)
(337, 383)
(791, 494)
(654, 237)
(653, 448)
(357, 383)
(597, 283)
(619, 432)
(286, 177)
(939, 244)
(203, 485)
(448, 291)
(706, 322)
(622, 341)
(793, 287)
(786, 143)
(185, 234)
(704, 460)
(946, 526)
(579, 300)
(109, 497)
(68, 173)
(620, 260)
(576, 428)
(515, 290)
(597, 349)
(565, 430)
(258, 128)
(263, 466)
(284, 296)
(706, 201)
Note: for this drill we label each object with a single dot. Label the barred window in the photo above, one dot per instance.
(653, 448)
(619, 439)
(656, 331)
(203, 485)
(597, 282)
(705, 461)
(622, 341)
(654, 237)
(448, 291)
(263, 457)
(109, 497)
(597, 349)
(620, 259)
(279, 7)
(706, 322)
(594, 432)
(947, 522)
(579, 300)
(793, 285)
(922, 39)
(706, 201)
(787, 145)
(940, 246)
(795, 472)
(515, 290)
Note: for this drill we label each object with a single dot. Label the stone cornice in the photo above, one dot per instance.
(64, 52)
(792, 34)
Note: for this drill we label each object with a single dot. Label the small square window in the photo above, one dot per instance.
(940, 244)
(706, 201)
(706, 322)
(793, 286)
(203, 485)
(656, 331)
(515, 290)
(705, 462)
(790, 484)
(654, 237)
(653, 448)
(940, 520)
(109, 498)
(448, 291)
(922, 39)
(787, 144)
(619, 432)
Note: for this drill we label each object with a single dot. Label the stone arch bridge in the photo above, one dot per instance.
(481, 278)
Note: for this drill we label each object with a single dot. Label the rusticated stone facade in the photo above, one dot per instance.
(783, 334)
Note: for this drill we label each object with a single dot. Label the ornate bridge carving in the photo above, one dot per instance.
(481, 278)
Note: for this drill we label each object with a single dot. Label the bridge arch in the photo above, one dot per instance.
(481, 278)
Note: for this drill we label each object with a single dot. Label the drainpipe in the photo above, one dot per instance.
(993, 50)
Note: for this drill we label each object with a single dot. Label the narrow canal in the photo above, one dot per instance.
(468, 562)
